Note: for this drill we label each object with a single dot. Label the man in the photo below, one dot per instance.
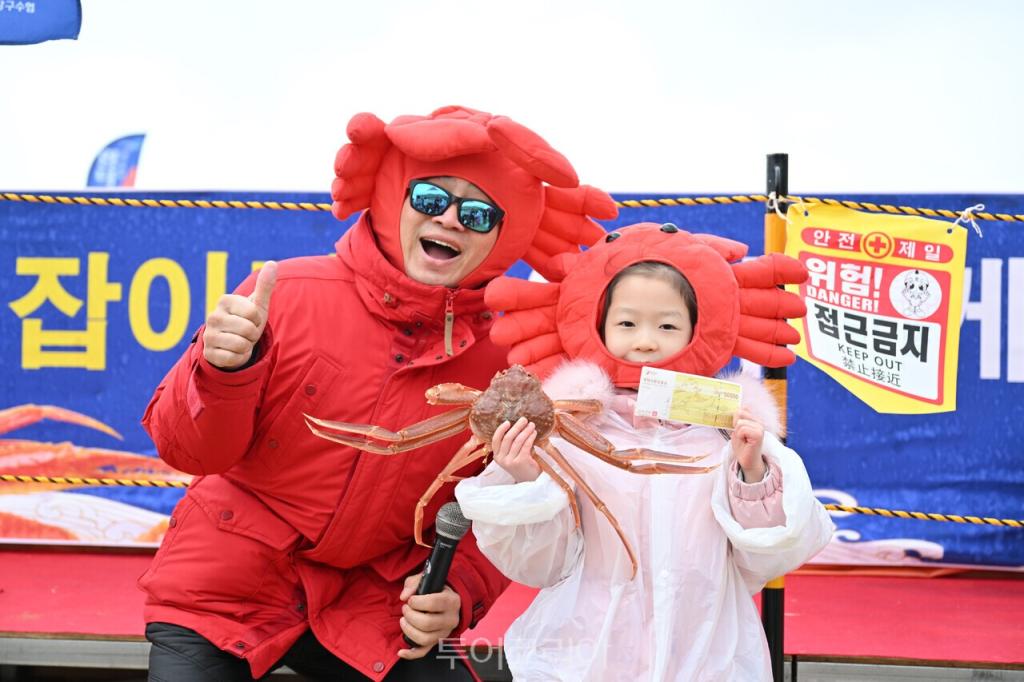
(292, 550)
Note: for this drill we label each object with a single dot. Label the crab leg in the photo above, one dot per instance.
(574, 475)
(14, 418)
(391, 449)
(588, 440)
(424, 433)
(580, 406)
(546, 468)
(452, 394)
(472, 450)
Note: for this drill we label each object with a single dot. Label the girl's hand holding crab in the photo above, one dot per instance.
(512, 446)
(747, 441)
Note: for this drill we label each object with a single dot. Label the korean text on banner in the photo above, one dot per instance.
(884, 296)
(27, 22)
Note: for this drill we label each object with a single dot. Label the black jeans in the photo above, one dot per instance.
(182, 655)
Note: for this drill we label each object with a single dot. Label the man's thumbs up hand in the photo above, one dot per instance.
(237, 323)
(265, 281)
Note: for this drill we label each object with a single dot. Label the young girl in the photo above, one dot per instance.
(704, 543)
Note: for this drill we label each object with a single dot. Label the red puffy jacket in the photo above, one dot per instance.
(283, 530)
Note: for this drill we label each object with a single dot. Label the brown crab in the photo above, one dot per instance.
(513, 393)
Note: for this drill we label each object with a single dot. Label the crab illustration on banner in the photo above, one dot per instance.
(884, 296)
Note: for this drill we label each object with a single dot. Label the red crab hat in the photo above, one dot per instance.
(740, 309)
(547, 211)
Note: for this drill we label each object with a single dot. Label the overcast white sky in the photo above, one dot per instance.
(641, 96)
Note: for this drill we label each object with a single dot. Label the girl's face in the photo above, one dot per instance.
(647, 321)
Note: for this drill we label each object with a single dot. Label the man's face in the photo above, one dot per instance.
(438, 250)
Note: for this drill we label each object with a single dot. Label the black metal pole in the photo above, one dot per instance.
(773, 595)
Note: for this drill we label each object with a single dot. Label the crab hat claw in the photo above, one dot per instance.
(568, 221)
(356, 165)
(510, 163)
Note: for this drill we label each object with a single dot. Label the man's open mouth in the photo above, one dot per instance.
(438, 249)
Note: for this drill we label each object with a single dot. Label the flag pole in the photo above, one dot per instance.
(773, 594)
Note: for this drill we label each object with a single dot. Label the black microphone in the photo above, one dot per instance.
(450, 525)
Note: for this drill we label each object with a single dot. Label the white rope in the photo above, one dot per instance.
(775, 203)
(967, 216)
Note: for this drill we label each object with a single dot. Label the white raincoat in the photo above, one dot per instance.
(688, 614)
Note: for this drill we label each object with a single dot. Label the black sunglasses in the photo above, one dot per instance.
(474, 214)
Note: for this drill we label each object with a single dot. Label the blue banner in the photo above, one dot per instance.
(117, 163)
(100, 301)
(36, 21)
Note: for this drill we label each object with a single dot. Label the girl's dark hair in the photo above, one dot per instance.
(656, 270)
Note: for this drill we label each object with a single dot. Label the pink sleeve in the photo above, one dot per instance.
(757, 505)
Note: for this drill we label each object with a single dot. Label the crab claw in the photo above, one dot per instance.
(14, 418)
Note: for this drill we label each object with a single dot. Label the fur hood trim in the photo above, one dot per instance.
(581, 379)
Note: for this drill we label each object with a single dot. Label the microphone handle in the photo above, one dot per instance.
(435, 572)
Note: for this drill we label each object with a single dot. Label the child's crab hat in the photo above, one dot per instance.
(740, 309)
(547, 211)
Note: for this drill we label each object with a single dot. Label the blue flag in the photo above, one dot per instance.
(36, 21)
(116, 163)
